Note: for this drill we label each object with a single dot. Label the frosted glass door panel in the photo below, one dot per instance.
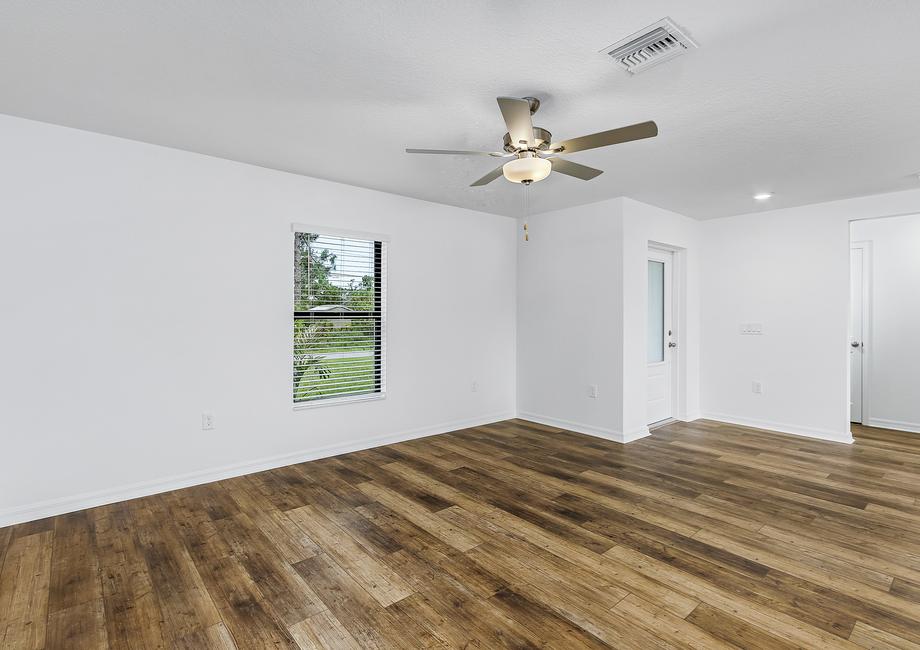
(656, 335)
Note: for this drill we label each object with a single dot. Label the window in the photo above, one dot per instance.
(339, 317)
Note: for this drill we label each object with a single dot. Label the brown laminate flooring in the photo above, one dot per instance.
(517, 535)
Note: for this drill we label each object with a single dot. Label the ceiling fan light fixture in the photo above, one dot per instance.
(528, 143)
(527, 169)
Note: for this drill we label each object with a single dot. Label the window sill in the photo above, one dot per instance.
(351, 399)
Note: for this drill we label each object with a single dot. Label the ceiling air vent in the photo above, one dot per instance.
(650, 46)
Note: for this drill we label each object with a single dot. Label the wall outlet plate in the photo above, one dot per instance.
(592, 391)
(207, 421)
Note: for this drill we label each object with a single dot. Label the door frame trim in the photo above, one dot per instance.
(866, 247)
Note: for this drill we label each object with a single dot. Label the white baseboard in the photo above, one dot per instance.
(689, 418)
(577, 427)
(63, 505)
(897, 425)
(844, 437)
(636, 434)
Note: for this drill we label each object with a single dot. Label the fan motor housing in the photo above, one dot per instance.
(542, 138)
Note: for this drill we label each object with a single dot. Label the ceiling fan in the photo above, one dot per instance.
(534, 153)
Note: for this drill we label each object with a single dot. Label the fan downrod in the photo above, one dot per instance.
(534, 104)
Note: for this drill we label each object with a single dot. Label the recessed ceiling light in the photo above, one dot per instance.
(763, 196)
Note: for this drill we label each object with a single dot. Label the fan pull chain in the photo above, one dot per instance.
(524, 187)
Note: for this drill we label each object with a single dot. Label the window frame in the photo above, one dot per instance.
(381, 242)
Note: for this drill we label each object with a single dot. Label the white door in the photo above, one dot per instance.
(660, 335)
(857, 321)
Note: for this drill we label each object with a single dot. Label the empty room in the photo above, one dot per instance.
(337, 324)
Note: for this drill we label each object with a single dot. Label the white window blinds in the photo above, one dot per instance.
(339, 317)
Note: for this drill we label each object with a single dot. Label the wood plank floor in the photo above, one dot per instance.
(515, 535)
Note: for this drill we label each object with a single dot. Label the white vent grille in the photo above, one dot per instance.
(650, 46)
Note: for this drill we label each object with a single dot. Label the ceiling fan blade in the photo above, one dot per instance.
(454, 152)
(488, 178)
(570, 168)
(517, 118)
(606, 138)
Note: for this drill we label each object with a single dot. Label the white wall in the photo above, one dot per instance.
(789, 270)
(570, 313)
(892, 354)
(582, 293)
(142, 285)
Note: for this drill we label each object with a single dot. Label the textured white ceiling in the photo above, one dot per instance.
(813, 100)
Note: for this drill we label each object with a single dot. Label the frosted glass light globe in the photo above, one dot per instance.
(529, 168)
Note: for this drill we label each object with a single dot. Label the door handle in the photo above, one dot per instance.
(672, 344)
(855, 344)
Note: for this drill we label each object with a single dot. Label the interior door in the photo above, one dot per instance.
(660, 337)
(857, 348)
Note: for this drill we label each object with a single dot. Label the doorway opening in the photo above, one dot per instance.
(884, 317)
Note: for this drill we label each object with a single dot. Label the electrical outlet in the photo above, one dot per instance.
(756, 387)
(207, 421)
(592, 391)
(474, 386)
